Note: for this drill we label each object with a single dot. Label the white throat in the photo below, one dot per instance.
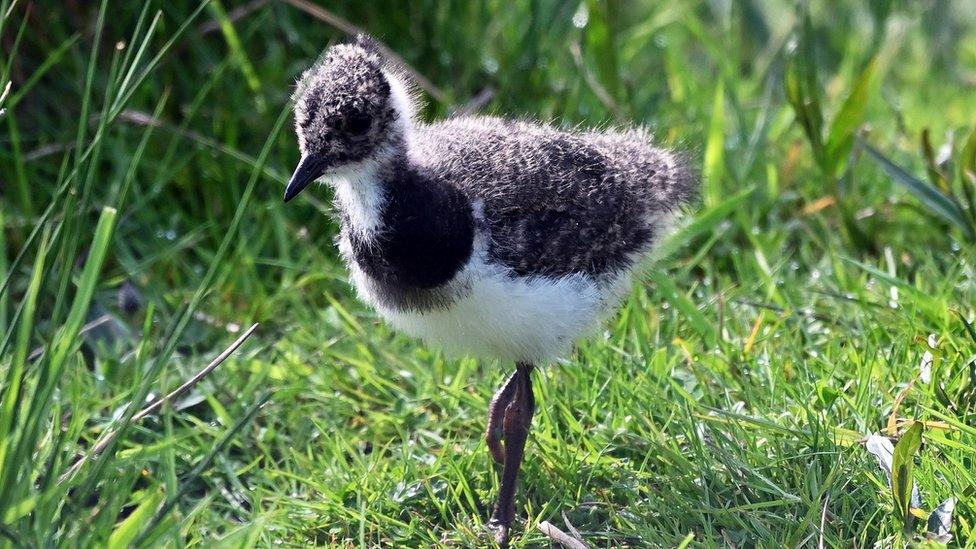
(360, 195)
(359, 190)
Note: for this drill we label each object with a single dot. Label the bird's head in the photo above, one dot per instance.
(346, 113)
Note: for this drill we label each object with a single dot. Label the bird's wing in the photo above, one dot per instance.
(557, 203)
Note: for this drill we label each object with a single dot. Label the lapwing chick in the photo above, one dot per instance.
(484, 236)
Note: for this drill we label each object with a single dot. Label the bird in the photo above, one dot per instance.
(484, 236)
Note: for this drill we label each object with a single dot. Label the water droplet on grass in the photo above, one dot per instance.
(582, 16)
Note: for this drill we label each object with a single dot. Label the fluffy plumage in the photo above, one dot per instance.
(557, 203)
(482, 235)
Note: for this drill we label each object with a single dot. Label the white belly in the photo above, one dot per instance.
(497, 316)
(515, 319)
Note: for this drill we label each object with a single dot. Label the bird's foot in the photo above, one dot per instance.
(500, 530)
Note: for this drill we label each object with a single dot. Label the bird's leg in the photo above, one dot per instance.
(496, 417)
(516, 424)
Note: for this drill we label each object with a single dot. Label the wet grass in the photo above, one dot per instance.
(142, 157)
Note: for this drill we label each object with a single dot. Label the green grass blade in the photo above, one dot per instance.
(35, 76)
(902, 479)
(10, 399)
(67, 339)
(714, 169)
(4, 271)
(600, 40)
(808, 58)
(6, 7)
(944, 206)
(840, 136)
(135, 54)
(127, 530)
(685, 305)
(6, 66)
(65, 342)
(704, 222)
(936, 177)
(967, 160)
(236, 48)
(127, 93)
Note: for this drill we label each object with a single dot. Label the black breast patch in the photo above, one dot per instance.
(426, 239)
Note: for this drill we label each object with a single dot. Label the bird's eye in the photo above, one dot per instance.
(357, 123)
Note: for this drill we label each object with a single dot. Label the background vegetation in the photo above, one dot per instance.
(823, 290)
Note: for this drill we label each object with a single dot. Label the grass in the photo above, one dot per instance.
(142, 161)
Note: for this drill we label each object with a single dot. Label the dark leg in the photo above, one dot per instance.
(496, 417)
(518, 420)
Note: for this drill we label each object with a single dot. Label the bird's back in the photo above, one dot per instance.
(557, 202)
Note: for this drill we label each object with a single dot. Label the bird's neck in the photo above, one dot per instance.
(363, 190)
(360, 196)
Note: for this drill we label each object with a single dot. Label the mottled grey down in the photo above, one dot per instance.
(556, 202)
(548, 202)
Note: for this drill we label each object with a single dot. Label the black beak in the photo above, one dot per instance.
(309, 169)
